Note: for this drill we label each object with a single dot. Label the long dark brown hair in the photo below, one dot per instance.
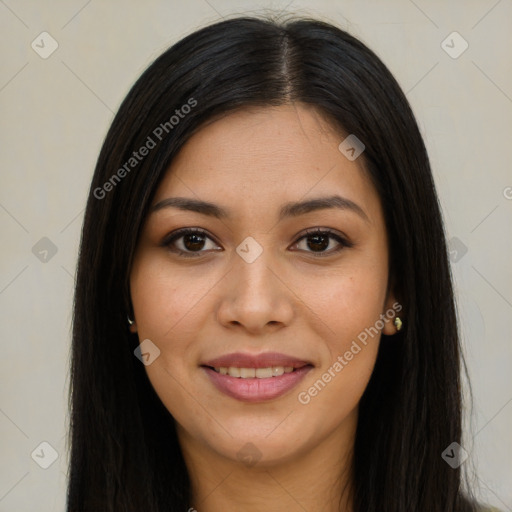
(125, 455)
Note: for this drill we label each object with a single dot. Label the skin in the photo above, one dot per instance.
(289, 300)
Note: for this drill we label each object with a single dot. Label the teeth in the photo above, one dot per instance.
(234, 372)
(251, 373)
(277, 371)
(264, 373)
(247, 373)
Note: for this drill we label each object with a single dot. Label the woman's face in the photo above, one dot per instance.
(257, 287)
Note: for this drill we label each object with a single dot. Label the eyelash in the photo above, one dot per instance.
(170, 239)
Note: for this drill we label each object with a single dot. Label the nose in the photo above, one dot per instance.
(256, 296)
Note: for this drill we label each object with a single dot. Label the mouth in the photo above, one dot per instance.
(254, 373)
(250, 378)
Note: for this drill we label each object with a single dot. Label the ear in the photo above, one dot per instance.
(392, 310)
(129, 307)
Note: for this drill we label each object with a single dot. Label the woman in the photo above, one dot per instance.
(264, 316)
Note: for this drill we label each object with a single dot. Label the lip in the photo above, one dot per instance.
(241, 360)
(254, 389)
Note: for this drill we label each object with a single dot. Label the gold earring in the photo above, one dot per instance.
(398, 323)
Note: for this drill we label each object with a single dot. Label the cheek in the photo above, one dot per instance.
(350, 304)
(164, 308)
(347, 301)
(166, 302)
(165, 305)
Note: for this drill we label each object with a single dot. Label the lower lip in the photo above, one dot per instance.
(254, 389)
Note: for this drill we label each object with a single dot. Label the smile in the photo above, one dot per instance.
(255, 377)
(251, 373)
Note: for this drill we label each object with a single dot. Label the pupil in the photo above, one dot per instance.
(196, 243)
(316, 244)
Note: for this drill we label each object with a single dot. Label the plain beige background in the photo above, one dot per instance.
(56, 111)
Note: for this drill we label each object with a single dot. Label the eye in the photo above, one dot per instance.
(188, 242)
(191, 242)
(319, 240)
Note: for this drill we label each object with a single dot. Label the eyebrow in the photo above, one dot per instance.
(292, 209)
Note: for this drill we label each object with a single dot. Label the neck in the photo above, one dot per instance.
(318, 479)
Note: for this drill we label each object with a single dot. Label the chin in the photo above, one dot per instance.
(266, 443)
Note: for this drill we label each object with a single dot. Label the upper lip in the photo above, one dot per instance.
(265, 360)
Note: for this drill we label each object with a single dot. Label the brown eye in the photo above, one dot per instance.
(193, 242)
(188, 242)
(318, 241)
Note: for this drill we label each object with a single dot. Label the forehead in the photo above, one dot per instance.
(260, 156)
